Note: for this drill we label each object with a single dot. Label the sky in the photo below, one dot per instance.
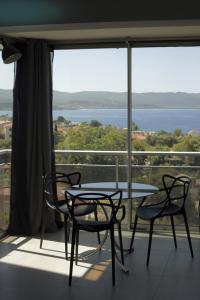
(6, 75)
(171, 69)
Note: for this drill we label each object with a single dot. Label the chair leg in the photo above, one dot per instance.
(133, 234)
(150, 240)
(173, 230)
(44, 221)
(112, 239)
(66, 225)
(72, 254)
(120, 242)
(98, 234)
(77, 242)
(188, 233)
(68, 229)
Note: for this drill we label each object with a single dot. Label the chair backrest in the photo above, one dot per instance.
(109, 204)
(54, 185)
(176, 188)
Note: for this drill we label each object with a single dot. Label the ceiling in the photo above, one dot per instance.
(122, 31)
(75, 20)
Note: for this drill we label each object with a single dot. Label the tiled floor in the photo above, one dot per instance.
(27, 272)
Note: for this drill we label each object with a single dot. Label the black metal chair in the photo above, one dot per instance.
(111, 205)
(176, 191)
(54, 185)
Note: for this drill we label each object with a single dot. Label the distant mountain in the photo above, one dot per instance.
(81, 100)
(119, 100)
(96, 100)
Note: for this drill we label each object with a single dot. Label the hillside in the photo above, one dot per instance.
(95, 100)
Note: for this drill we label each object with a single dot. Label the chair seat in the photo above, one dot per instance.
(93, 226)
(148, 213)
(80, 210)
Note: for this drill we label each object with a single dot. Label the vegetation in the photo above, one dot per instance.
(61, 119)
(5, 144)
(95, 136)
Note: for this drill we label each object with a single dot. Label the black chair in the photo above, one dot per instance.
(111, 206)
(54, 185)
(176, 191)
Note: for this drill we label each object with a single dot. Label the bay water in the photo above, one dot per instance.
(146, 119)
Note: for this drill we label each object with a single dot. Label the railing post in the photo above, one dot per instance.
(116, 171)
(129, 125)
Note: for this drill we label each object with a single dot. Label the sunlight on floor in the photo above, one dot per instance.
(97, 270)
(51, 258)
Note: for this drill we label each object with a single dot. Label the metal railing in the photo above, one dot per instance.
(118, 154)
(142, 172)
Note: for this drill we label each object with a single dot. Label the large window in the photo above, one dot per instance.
(91, 115)
(6, 86)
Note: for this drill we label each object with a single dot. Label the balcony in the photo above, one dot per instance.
(172, 274)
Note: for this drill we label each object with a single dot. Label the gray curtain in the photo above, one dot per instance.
(32, 136)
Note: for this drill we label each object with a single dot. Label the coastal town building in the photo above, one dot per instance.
(141, 135)
(5, 129)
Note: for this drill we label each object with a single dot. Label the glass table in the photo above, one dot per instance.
(136, 191)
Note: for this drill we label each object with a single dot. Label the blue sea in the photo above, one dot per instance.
(146, 119)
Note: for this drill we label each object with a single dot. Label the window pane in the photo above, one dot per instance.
(6, 102)
(166, 101)
(90, 113)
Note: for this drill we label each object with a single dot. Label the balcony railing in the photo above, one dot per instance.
(147, 167)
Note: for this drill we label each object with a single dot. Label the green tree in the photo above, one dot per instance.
(61, 119)
(187, 144)
(5, 144)
(135, 127)
(95, 123)
(178, 132)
